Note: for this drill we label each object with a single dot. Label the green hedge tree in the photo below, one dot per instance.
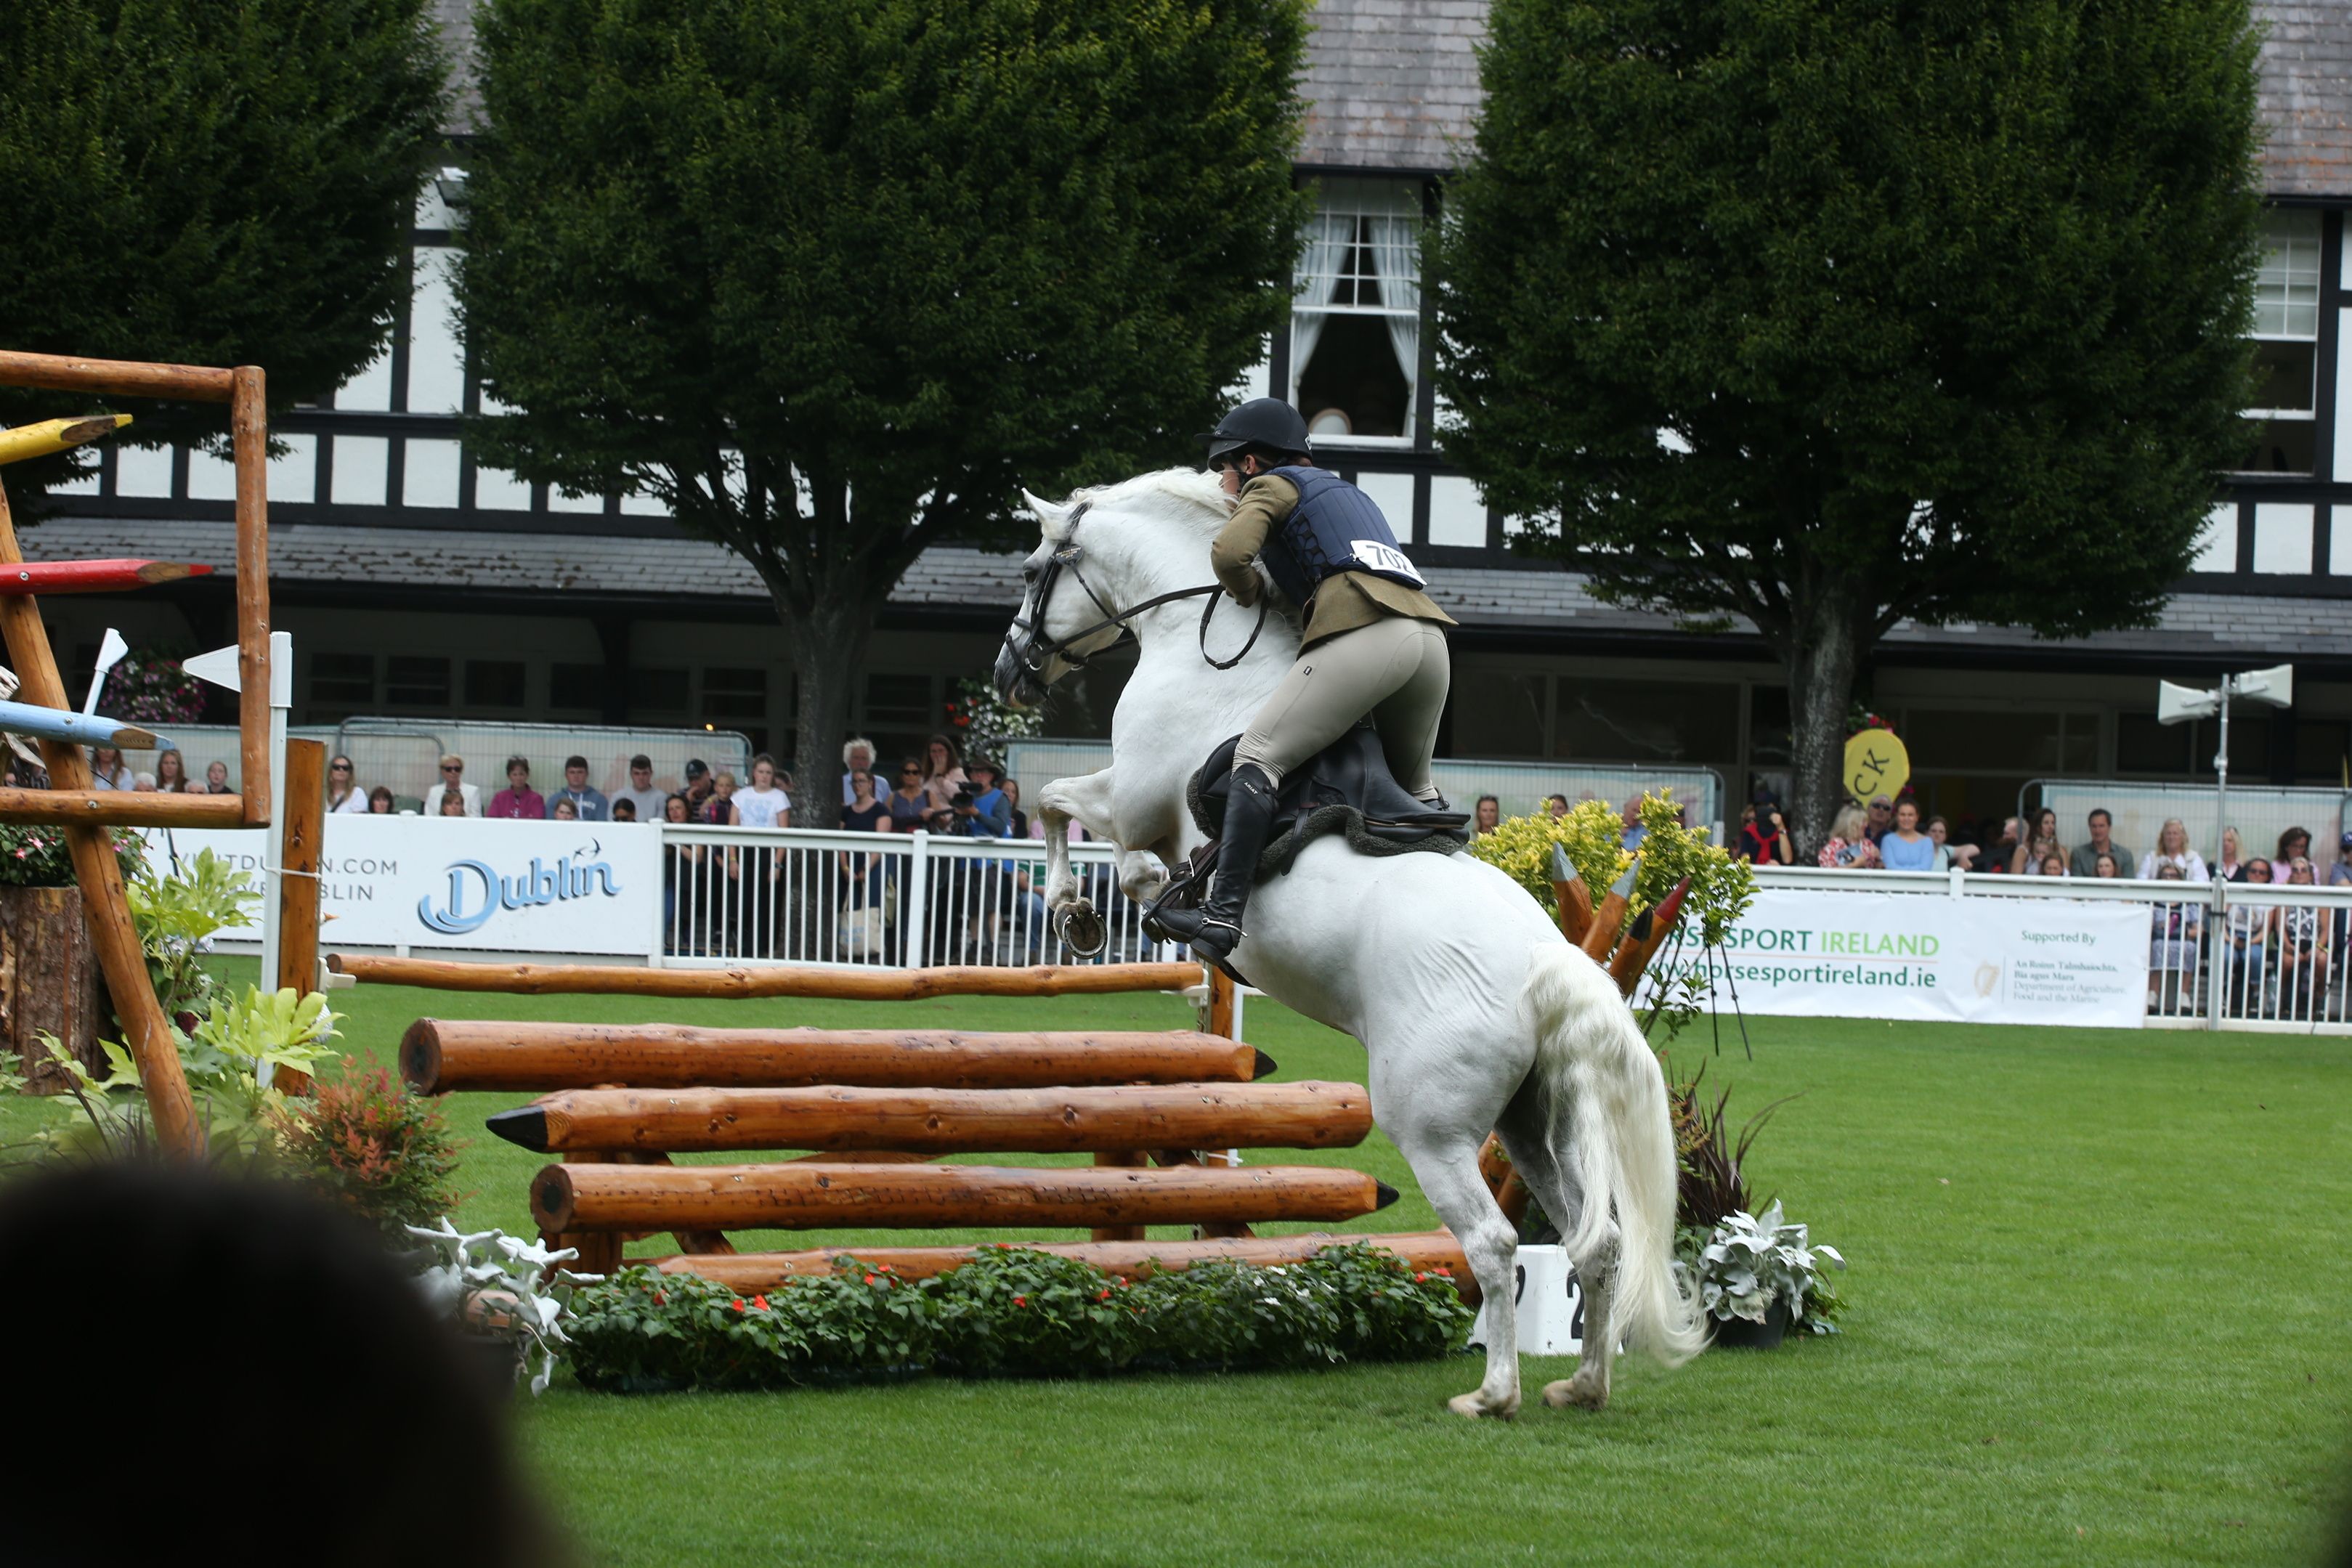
(1825, 314)
(831, 278)
(209, 184)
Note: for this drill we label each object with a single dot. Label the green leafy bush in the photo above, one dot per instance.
(174, 914)
(371, 1146)
(1011, 1311)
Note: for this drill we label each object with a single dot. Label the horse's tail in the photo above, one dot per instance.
(1595, 1064)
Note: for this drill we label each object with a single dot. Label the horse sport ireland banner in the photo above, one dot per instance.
(465, 881)
(1837, 954)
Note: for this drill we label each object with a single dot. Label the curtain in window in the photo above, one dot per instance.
(1328, 238)
(1396, 252)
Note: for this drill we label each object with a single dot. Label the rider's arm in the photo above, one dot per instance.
(1265, 501)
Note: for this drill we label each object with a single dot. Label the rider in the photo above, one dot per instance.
(1372, 644)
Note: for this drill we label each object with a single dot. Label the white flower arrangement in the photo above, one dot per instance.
(1752, 1261)
(509, 1289)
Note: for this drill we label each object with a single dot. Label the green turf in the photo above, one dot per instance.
(2096, 1315)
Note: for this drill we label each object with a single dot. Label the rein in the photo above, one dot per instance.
(1036, 645)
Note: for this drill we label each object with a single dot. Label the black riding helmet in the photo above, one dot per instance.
(1266, 421)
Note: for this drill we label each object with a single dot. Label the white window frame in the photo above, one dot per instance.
(2290, 275)
(1342, 225)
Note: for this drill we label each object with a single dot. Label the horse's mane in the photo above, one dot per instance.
(1186, 495)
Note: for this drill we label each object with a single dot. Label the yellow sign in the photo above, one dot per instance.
(1875, 764)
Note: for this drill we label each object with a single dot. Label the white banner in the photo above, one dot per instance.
(1982, 960)
(466, 882)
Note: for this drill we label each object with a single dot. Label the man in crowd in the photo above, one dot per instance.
(699, 785)
(1632, 831)
(2086, 860)
(856, 758)
(642, 798)
(589, 803)
(453, 777)
(1997, 846)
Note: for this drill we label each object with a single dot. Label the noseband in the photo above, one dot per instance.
(1035, 645)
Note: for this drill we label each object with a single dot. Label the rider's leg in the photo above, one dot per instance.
(1408, 717)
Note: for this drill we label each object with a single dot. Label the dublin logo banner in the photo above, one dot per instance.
(477, 891)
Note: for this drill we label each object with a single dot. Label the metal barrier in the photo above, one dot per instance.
(404, 753)
(2261, 814)
(763, 895)
(2231, 955)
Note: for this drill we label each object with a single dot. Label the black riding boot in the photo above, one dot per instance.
(1214, 929)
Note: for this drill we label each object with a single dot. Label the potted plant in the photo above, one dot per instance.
(509, 1298)
(1758, 1276)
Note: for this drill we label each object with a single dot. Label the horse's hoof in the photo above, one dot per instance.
(1082, 930)
(1474, 1405)
(1568, 1392)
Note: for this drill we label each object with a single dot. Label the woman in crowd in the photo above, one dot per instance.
(1947, 853)
(863, 916)
(106, 768)
(1011, 787)
(344, 796)
(172, 773)
(2303, 942)
(2051, 864)
(623, 809)
(2248, 928)
(2232, 868)
(2103, 865)
(566, 810)
(942, 771)
(1904, 847)
(216, 779)
(2295, 844)
(1485, 815)
(2041, 852)
(452, 803)
(2172, 849)
(910, 803)
(764, 804)
(518, 802)
(380, 801)
(143, 782)
(2030, 852)
(2172, 952)
(682, 880)
(718, 812)
(1763, 833)
(1849, 847)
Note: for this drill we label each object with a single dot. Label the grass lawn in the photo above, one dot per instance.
(2096, 1315)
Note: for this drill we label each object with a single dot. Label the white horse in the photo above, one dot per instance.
(1474, 1012)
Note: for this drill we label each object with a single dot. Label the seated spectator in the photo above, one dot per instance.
(344, 796)
(1904, 847)
(106, 768)
(942, 771)
(910, 803)
(719, 810)
(1879, 820)
(453, 782)
(2172, 849)
(2232, 868)
(2295, 844)
(1633, 832)
(2247, 927)
(2105, 865)
(1764, 834)
(1485, 815)
(2302, 944)
(2172, 952)
(566, 809)
(641, 791)
(1556, 806)
(452, 804)
(764, 804)
(623, 809)
(216, 779)
(172, 773)
(1011, 789)
(517, 802)
(590, 804)
(143, 782)
(2086, 855)
(1947, 853)
(380, 802)
(856, 757)
(2038, 856)
(1849, 847)
(2051, 864)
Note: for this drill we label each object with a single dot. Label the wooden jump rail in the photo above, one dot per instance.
(438, 1055)
(783, 980)
(749, 1273)
(1138, 1118)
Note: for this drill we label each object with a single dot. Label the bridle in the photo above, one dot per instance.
(1034, 645)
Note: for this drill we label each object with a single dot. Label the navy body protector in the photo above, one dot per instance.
(1335, 527)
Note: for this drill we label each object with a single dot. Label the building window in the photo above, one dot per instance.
(576, 686)
(416, 680)
(737, 699)
(494, 683)
(2286, 345)
(341, 685)
(658, 690)
(1355, 313)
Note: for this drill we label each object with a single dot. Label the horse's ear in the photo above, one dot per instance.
(1047, 513)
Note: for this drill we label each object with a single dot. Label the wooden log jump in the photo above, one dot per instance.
(36, 723)
(438, 1055)
(751, 1272)
(93, 576)
(1141, 1118)
(54, 436)
(844, 984)
(801, 1196)
(1575, 899)
(121, 807)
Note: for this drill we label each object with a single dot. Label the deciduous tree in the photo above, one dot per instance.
(1819, 315)
(831, 278)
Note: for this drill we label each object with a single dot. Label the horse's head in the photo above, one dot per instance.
(1099, 556)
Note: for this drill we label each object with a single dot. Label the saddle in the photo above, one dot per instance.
(1345, 789)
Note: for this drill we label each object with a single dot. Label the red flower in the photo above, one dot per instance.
(660, 1300)
(1020, 1301)
(869, 1279)
(761, 1302)
(739, 1304)
(1444, 1272)
(1106, 1294)
(1417, 1278)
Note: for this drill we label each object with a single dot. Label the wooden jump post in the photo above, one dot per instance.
(783, 980)
(90, 815)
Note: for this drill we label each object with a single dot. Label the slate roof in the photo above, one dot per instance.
(2306, 96)
(1551, 604)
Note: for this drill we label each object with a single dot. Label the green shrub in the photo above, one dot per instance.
(368, 1144)
(1012, 1312)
